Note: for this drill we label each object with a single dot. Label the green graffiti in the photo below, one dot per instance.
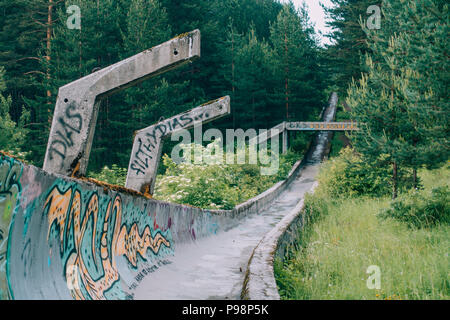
(10, 190)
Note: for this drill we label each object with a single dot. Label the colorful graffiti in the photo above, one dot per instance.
(98, 234)
(10, 190)
(62, 238)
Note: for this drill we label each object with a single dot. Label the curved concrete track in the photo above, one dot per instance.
(214, 267)
(63, 238)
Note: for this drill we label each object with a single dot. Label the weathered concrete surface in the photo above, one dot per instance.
(76, 109)
(321, 149)
(227, 266)
(215, 267)
(323, 126)
(64, 238)
(68, 238)
(148, 142)
(260, 281)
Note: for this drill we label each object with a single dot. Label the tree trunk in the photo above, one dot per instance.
(49, 43)
(287, 76)
(232, 75)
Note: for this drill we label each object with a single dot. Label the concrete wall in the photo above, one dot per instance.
(63, 238)
(260, 283)
(56, 230)
(77, 108)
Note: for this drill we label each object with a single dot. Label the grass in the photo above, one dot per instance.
(337, 249)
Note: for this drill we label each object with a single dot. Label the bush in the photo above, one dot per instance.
(210, 186)
(420, 209)
(350, 175)
(114, 175)
(215, 185)
(316, 206)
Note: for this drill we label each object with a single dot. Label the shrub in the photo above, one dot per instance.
(114, 175)
(214, 185)
(349, 175)
(419, 209)
(316, 206)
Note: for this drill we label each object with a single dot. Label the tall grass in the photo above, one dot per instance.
(336, 250)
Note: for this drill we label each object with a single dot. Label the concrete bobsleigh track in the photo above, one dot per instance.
(64, 238)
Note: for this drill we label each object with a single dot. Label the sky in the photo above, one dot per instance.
(316, 14)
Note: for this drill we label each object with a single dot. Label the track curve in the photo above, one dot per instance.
(63, 238)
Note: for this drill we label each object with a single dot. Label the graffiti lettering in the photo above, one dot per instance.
(64, 137)
(65, 219)
(146, 271)
(146, 150)
(344, 126)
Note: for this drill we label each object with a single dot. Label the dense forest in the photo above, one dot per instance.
(261, 53)
(265, 54)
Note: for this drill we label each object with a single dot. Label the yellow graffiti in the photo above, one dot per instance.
(62, 206)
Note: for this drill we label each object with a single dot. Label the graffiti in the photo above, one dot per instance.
(148, 144)
(332, 126)
(64, 137)
(78, 238)
(10, 190)
(146, 271)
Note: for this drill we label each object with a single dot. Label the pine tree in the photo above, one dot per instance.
(12, 134)
(252, 72)
(349, 40)
(298, 76)
(400, 102)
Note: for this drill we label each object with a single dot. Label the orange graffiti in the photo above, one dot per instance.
(67, 206)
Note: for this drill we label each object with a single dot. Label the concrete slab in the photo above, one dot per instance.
(148, 142)
(76, 109)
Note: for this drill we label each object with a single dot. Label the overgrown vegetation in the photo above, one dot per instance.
(345, 235)
(114, 175)
(422, 208)
(401, 102)
(211, 183)
(260, 53)
(12, 134)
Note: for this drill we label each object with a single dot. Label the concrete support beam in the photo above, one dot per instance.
(76, 109)
(322, 126)
(278, 130)
(148, 142)
(275, 131)
(284, 145)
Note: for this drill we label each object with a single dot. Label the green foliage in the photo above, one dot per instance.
(298, 87)
(419, 209)
(300, 141)
(13, 134)
(242, 56)
(349, 40)
(286, 161)
(114, 175)
(400, 101)
(341, 238)
(213, 184)
(252, 75)
(350, 175)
